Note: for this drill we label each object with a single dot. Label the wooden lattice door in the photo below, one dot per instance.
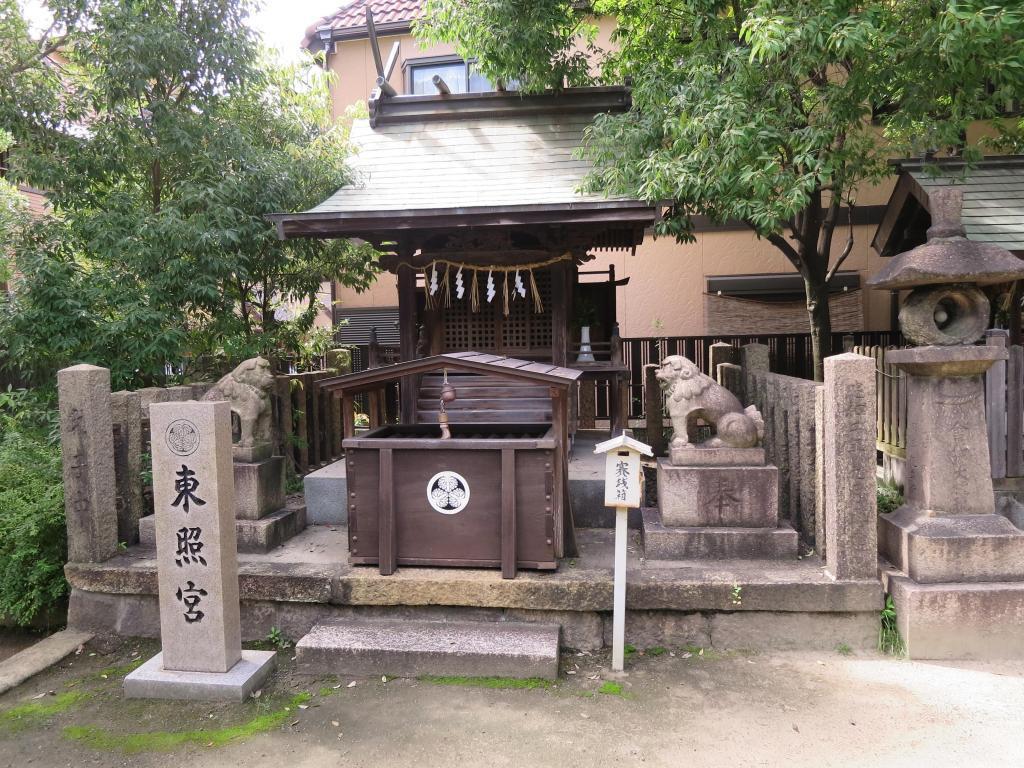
(524, 333)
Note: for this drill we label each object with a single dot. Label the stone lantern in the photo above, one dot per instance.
(947, 530)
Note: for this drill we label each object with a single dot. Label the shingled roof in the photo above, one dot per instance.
(349, 21)
(993, 202)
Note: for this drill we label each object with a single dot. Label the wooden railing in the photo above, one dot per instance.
(890, 404)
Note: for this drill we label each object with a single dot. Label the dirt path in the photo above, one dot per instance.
(703, 710)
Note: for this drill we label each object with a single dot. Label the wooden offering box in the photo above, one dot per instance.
(481, 499)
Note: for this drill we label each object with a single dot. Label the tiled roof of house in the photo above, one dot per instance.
(351, 18)
(993, 201)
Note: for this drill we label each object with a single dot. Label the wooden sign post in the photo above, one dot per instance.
(623, 481)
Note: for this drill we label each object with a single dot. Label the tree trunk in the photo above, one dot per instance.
(816, 292)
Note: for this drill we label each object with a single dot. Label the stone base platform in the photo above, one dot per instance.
(152, 681)
(713, 495)
(326, 494)
(412, 648)
(785, 604)
(257, 536)
(954, 548)
(712, 543)
(259, 487)
(983, 621)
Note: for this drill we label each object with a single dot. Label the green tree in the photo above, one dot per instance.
(158, 250)
(769, 112)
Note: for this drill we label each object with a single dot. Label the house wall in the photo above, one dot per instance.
(665, 294)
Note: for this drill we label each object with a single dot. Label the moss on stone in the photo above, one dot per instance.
(162, 741)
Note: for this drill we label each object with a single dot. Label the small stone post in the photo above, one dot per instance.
(126, 412)
(755, 361)
(653, 410)
(87, 450)
(851, 540)
(197, 562)
(730, 376)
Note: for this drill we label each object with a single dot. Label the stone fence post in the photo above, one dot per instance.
(126, 414)
(851, 539)
(755, 362)
(87, 451)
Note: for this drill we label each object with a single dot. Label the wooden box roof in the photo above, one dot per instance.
(457, 362)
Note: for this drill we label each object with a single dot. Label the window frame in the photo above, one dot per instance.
(431, 61)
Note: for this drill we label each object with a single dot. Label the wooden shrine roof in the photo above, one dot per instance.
(993, 206)
(504, 168)
(459, 362)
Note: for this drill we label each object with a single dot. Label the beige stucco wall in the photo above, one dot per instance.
(667, 279)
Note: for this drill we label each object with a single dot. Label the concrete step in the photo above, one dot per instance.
(663, 542)
(413, 648)
(326, 495)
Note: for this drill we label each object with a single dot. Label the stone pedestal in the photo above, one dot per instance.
(723, 503)
(738, 496)
(259, 487)
(960, 590)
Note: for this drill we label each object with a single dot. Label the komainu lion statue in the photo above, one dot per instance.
(247, 389)
(693, 395)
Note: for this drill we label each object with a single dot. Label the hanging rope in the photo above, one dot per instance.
(445, 288)
(428, 300)
(474, 294)
(504, 290)
(538, 305)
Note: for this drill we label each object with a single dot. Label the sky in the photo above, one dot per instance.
(282, 23)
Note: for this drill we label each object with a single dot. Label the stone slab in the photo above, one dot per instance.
(152, 681)
(326, 494)
(271, 531)
(694, 456)
(261, 535)
(259, 487)
(701, 542)
(959, 621)
(782, 631)
(18, 668)
(413, 648)
(745, 497)
(313, 567)
(968, 548)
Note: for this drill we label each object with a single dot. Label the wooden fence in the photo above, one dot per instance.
(1004, 408)
(890, 404)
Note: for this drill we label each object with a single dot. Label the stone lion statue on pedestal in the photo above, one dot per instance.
(693, 395)
(247, 388)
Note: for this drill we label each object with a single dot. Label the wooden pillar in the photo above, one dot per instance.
(375, 398)
(509, 548)
(407, 337)
(561, 298)
(387, 554)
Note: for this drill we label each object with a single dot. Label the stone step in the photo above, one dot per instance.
(413, 648)
(326, 494)
(259, 536)
(663, 542)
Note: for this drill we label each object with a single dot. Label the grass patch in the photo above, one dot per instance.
(656, 651)
(119, 671)
(889, 640)
(162, 741)
(629, 650)
(24, 714)
(844, 650)
(488, 682)
(889, 498)
(608, 688)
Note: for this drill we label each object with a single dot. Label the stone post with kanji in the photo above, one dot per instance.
(197, 561)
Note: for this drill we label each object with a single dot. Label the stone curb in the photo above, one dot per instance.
(33, 660)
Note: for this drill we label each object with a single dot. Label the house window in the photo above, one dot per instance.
(460, 76)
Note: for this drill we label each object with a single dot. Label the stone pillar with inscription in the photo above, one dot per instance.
(197, 561)
(849, 465)
(87, 450)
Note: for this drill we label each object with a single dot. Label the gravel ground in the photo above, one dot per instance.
(673, 708)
